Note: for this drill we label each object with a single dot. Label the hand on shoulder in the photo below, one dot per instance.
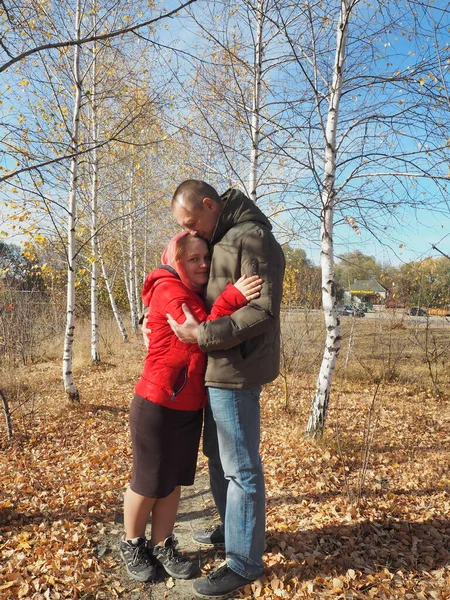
(249, 286)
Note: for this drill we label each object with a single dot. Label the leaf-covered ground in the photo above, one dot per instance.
(364, 513)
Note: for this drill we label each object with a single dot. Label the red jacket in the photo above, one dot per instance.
(174, 372)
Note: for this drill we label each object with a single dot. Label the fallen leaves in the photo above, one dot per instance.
(62, 485)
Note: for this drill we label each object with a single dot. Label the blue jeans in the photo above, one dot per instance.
(231, 439)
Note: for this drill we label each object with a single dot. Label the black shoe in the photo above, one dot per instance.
(139, 563)
(176, 565)
(220, 584)
(210, 537)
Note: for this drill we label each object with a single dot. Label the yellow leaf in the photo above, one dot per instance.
(337, 584)
(5, 586)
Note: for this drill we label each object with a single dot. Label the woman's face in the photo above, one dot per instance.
(196, 260)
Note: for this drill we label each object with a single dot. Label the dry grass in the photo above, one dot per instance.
(385, 346)
(35, 390)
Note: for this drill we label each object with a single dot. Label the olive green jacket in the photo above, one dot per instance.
(243, 348)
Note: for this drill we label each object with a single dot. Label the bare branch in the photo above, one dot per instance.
(93, 38)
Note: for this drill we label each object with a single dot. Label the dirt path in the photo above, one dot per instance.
(196, 511)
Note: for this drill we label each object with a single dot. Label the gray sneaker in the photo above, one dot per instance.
(220, 584)
(139, 562)
(213, 536)
(174, 563)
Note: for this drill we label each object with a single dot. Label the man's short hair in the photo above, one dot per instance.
(194, 191)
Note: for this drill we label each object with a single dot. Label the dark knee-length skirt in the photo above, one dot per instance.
(165, 447)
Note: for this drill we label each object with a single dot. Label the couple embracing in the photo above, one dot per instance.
(213, 317)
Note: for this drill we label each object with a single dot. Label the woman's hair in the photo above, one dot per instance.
(173, 252)
(181, 245)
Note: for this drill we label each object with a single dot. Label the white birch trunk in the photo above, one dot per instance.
(69, 384)
(131, 263)
(125, 260)
(145, 252)
(317, 418)
(95, 353)
(254, 125)
(136, 277)
(112, 301)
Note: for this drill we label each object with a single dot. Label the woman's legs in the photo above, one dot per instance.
(139, 563)
(163, 541)
(164, 513)
(136, 511)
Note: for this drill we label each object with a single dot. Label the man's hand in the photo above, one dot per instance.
(145, 332)
(188, 331)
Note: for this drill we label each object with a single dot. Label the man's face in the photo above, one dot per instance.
(201, 222)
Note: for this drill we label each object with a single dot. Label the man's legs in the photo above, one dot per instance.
(231, 444)
(219, 484)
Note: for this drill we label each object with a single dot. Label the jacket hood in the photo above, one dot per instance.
(237, 209)
(155, 278)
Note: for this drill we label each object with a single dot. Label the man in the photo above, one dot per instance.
(243, 353)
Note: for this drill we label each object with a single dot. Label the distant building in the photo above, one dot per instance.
(365, 291)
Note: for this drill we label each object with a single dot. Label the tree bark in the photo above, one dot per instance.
(131, 262)
(112, 300)
(95, 353)
(254, 126)
(7, 412)
(319, 408)
(69, 384)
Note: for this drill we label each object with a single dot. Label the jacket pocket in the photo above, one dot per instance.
(179, 383)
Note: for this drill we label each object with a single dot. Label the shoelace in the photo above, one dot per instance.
(172, 553)
(138, 556)
(211, 529)
(216, 574)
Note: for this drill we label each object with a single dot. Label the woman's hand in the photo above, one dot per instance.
(250, 287)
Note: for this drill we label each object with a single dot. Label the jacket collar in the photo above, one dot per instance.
(237, 208)
(171, 270)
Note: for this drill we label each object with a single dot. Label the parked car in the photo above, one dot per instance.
(351, 311)
(416, 311)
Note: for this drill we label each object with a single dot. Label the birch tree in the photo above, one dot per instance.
(112, 300)
(33, 33)
(367, 151)
(319, 407)
(68, 380)
(256, 102)
(239, 97)
(95, 352)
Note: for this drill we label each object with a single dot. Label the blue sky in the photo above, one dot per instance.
(411, 237)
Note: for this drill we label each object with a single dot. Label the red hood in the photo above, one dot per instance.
(153, 279)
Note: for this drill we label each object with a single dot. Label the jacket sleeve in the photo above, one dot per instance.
(174, 308)
(227, 303)
(259, 316)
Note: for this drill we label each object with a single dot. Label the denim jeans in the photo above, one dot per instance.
(231, 442)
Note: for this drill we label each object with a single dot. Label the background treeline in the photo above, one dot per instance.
(423, 283)
(33, 287)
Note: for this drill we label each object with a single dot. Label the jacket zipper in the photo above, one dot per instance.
(183, 374)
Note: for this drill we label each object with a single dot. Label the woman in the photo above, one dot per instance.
(167, 409)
